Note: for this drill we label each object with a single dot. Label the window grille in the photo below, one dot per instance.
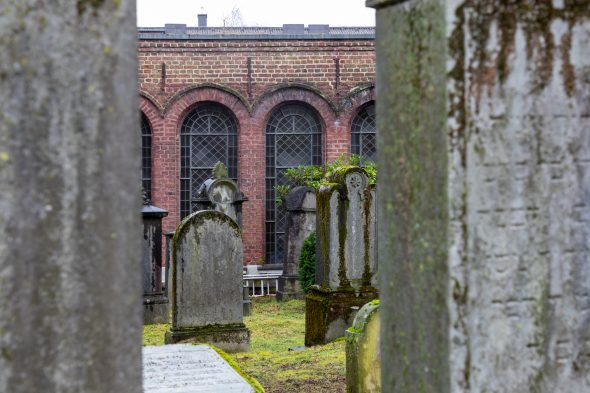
(208, 134)
(363, 133)
(146, 156)
(293, 138)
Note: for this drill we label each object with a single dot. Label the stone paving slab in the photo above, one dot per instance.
(186, 368)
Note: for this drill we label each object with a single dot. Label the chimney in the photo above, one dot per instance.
(294, 29)
(202, 18)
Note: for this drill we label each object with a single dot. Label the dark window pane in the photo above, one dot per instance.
(208, 135)
(146, 155)
(363, 133)
(293, 138)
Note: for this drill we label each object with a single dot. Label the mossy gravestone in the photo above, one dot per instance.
(207, 283)
(300, 205)
(363, 357)
(346, 265)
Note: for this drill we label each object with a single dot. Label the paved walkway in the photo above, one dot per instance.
(186, 368)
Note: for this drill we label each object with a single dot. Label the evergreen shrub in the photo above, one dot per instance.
(307, 263)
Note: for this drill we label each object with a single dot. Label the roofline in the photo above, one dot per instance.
(258, 37)
(318, 32)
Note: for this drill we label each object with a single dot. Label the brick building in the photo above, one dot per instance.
(258, 99)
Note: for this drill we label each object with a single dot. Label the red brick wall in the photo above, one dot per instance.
(217, 71)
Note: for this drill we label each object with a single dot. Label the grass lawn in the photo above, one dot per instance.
(274, 328)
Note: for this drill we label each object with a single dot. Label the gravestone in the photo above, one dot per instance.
(300, 205)
(206, 287)
(70, 272)
(184, 368)
(363, 357)
(222, 194)
(345, 259)
(155, 299)
(168, 280)
(484, 199)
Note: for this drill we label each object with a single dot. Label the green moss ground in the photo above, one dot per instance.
(274, 328)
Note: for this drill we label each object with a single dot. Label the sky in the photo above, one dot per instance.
(266, 13)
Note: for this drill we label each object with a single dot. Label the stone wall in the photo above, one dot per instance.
(484, 167)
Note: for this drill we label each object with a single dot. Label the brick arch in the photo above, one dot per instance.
(167, 154)
(353, 103)
(276, 97)
(211, 92)
(359, 96)
(283, 93)
(150, 108)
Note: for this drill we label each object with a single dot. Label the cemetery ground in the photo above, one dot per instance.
(275, 327)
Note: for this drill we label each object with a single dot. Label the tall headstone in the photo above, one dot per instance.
(346, 264)
(484, 162)
(155, 299)
(300, 205)
(222, 194)
(206, 287)
(70, 271)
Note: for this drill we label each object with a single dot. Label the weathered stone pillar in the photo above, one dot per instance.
(300, 206)
(70, 271)
(345, 259)
(484, 171)
(155, 299)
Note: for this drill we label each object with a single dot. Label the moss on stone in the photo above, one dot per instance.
(535, 18)
(413, 193)
(363, 365)
(323, 197)
(338, 175)
(6, 354)
(230, 360)
(324, 307)
(82, 5)
(367, 202)
(343, 206)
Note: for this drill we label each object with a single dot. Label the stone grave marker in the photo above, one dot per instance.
(300, 205)
(363, 356)
(155, 299)
(187, 368)
(346, 265)
(207, 282)
(221, 193)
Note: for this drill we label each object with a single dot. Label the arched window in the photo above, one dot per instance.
(146, 156)
(293, 138)
(363, 133)
(208, 135)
